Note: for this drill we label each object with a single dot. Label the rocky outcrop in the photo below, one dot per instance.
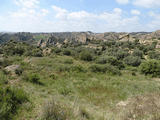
(53, 39)
(124, 37)
(47, 51)
(158, 46)
(12, 68)
(59, 38)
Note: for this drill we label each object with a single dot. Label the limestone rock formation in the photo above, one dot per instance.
(59, 38)
(12, 68)
(124, 37)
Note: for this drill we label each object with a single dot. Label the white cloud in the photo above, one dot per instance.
(147, 3)
(135, 12)
(61, 12)
(122, 1)
(117, 10)
(154, 23)
(107, 21)
(60, 20)
(44, 12)
(27, 3)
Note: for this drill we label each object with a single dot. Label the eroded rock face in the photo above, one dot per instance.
(45, 43)
(47, 51)
(59, 38)
(124, 37)
(158, 46)
(84, 37)
(53, 39)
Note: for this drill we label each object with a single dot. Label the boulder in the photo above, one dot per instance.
(12, 68)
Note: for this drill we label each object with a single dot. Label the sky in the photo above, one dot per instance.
(79, 15)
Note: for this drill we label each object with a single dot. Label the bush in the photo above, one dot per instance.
(132, 60)
(68, 61)
(97, 68)
(53, 110)
(32, 77)
(10, 101)
(37, 53)
(19, 50)
(64, 68)
(64, 90)
(52, 76)
(110, 60)
(105, 69)
(102, 60)
(66, 52)
(56, 50)
(154, 55)
(121, 54)
(5, 62)
(85, 114)
(86, 56)
(151, 67)
(78, 68)
(137, 53)
(19, 71)
(3, 79)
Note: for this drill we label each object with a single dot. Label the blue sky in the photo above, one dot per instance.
(79, 15)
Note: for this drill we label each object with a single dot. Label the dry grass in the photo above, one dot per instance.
(146, 107)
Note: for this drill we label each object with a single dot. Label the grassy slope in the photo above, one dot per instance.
(98, 93)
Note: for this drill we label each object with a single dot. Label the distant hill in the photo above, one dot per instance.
(44, 39)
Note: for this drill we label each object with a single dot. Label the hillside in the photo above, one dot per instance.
(81, 37)
(80, 76)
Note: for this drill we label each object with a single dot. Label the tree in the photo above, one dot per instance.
(86, 56)
(151, 67)
(132, 60)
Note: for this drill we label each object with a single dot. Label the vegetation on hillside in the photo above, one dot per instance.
(79, 82)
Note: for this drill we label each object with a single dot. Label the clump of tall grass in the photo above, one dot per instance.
(52, 110)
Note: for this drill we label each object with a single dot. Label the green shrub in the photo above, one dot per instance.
(64, 68)
(133, 74)
(10, 101)
(132, 60)
(56, 50)
(19, 71)
(52, 76)
(78, 68)
(32, 77)
(3, 79)
(18, 50)
(86, 56)
(85, 114)
(137, 53)
(110, 60)
(68, 61)
(37, 52)
(105, 69)
(97, 68)
(102, 60)
(151, 67)
(154, 55)
(13, 49)
(121, 54)
(5, 62)
(66, 52)
(64, 90)
(112, 70)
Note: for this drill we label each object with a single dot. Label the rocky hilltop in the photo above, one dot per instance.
(47, 39)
